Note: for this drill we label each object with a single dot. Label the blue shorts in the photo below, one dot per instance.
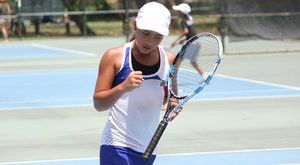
(113, 155)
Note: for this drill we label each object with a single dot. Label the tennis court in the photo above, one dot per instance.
(249, 114)
(58, 89)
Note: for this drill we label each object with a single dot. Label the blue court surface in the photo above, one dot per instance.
(288, 156)
(31, 51)
(61, 88)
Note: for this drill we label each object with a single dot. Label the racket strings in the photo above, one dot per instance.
(197, 61)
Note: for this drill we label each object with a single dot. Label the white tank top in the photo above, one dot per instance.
(134, 118)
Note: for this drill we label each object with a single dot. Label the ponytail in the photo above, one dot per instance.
(133, 29)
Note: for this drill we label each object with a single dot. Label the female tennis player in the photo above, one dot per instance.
(130, 85)
(186, 21)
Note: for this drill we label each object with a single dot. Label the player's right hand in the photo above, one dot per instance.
(133, 80)
(173, 103)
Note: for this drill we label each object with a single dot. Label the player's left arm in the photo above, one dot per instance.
(171, 57)
(173, 101)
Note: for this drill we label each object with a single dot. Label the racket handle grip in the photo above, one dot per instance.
(154, 141)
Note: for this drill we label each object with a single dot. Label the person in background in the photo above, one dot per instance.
(182, 11)
(5, 12)
(130, 85)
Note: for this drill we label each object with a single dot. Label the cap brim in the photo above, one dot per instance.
(147, 26)
(176, 7)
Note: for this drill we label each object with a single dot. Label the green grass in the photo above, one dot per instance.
(115, 28)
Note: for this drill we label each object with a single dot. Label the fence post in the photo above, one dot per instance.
(84, 19)
(19, 18)
(221, 26)
(127, 29)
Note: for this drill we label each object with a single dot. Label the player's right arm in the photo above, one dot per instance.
(105, 95)
(179, 40)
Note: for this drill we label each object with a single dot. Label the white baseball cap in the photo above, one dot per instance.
(155, 17)
(184, 8)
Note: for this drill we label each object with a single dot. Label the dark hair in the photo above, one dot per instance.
(132, 29)
(132, 37)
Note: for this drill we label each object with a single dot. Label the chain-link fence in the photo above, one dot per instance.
(235, 20)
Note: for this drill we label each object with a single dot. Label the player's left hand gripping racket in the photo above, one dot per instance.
(192, 69)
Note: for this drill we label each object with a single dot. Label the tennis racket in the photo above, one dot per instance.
(192, 69)
(181, 42)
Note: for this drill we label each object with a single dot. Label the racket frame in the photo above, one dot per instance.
(167, 116)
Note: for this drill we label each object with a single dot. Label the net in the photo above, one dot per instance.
(256, 19)
(29, 6)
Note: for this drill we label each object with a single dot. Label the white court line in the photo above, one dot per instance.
(47, 161)
(248, 91)
(244, 97)
(54, 71)
(287, 87)
(48, 100)
(194, 99)
(65, 50)
(45, 107)
(258, 55)
(162, 155)
(233, 151)
(259, 82)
